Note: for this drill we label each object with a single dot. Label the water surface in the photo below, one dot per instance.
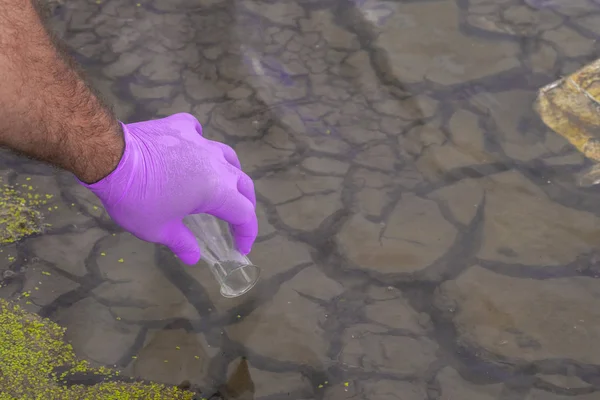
(421, 232)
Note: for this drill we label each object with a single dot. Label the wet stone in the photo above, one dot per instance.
(244, 117)
(417, 108)
(462, 199)
(570, 43)
(272, 90)
(286, 252)
(466, 132)
(524, 319)
(213, 53)
(574, 8)
(172, 356)
(455, 387)
(88, 203)
(439, 159)
(67, 251)
(203, 112)
(161, 67)
(366, 178)
(543, 60)
(326, 144)
(291, 184)
(326, 166)
(373, 389)
(513, 114)
(240, 92)
(389, 390)
(136, 289)
(42, 285)
(379, 157)
(538, 232)
(272, 383)
(415, 235)
(590, 23)
(575, 158)
(289, 327)
(463, 57)
(8, 254)
(536, 394)
(358, 132)
(565, 381)
(150, 92)
(312, 282)
(279, 138)
(323, 22)
(396, 313)
(308, 212)
(372, 350)
(530, 21)
(178, 105)
(126, 40)
(340, 391)
(107, 90)
(421, 137)
(203, 87)
(282, 13)
(493, 24)
(371, 201)
(95, 333)
(256, 155)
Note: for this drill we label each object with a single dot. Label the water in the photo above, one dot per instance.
(422, 234)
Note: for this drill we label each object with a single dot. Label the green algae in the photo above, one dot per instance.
(19, 212)
(35, 363)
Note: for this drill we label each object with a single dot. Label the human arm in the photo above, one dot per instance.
(47, 111)
(149, 175)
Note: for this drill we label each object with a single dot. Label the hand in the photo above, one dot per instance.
(168, 171)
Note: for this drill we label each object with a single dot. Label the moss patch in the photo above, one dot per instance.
(32, 350)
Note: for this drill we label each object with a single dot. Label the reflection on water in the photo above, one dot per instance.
(422, 233)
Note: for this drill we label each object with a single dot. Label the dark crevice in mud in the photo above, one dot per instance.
(134, 349)
(585, 265)
(66, 300)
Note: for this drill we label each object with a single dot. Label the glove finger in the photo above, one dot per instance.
(181, 241)
(246, 187)
(229, 154)
(239, 212)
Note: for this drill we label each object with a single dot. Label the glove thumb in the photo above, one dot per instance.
(182, 242)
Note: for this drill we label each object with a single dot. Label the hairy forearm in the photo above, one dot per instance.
(46, 109)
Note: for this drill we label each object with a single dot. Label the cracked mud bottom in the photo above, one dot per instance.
(421, 232)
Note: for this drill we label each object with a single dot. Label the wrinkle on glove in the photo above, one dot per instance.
(168, 171)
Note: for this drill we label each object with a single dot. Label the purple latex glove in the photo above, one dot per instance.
(168, 171)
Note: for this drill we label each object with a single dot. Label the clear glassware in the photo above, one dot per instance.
(234, 271)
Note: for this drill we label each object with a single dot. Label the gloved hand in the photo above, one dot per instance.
(168, 171)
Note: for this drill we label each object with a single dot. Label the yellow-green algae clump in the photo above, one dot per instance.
(19, 214)
(32, 349)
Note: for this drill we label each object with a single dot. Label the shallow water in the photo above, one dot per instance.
(421, 232)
